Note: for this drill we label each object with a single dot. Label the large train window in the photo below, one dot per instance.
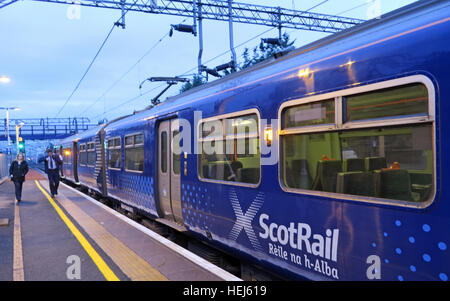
(82, 155)
(134, 152)
(406, 100)
(114, 153)
(230, 148)
(380, 149)
(91, 154)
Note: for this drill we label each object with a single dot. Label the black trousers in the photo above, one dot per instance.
(53, 178)
(18, 185)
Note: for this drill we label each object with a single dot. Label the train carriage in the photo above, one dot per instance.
(90, 162)
(326, 163)
(68, 150)
(129, 174)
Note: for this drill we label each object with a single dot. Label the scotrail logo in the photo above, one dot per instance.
(244, 221)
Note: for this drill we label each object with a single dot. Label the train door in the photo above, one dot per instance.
(75, 161)
(169, 170)
(61, 155)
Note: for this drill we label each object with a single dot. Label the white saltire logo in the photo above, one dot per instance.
(244, 221)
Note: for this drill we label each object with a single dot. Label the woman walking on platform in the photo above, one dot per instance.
(17, 171)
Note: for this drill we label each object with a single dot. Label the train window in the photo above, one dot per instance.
(82, 157)
(164, 151)
(212, 129)
(390, 160)
(399, 101)
(134, 152)
(139, 139)
(309, 114)
(129, 140)
(114, 153)
(91, 154)
(241, 125)
(176, 152)
(230, 149)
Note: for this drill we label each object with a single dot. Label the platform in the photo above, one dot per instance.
(74, 237)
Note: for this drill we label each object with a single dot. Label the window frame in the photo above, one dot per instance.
(114, 147)
(340, 126)
(160, 152)
(81, 152)
(125, 147)
(173, 155)
(200, 139)
(90, 151)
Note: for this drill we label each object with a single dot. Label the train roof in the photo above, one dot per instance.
(86, 134)
(343, 40)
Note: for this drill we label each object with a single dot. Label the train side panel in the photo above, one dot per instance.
(130, 177)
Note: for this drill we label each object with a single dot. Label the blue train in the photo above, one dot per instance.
(327, 163)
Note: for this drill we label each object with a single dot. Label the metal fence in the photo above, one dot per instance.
(43, 128)
(3, 166)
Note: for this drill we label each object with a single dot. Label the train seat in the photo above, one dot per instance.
(300, 173)
(205, 171)
(248, 175)
(235, 165)
(393, 184)
(422, 184)
(375, 163)
(355, 183)
(326, 175)
(354, 164)
(221, 171)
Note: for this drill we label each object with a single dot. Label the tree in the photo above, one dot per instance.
(197, 80)
(260, 53)
(264, 51)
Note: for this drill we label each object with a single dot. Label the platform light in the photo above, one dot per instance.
(268, 135)
(67, 152)
(4, 79)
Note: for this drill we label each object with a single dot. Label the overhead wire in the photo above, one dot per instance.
(93, 60)
(183, 74)
(353, 8)
(206, 62)
(127, 72)
(129, 101)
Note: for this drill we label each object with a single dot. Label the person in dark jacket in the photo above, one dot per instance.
(17, 171)
(52, 163)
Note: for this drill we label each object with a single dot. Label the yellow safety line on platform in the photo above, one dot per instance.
(18, 272)
(99, 262)
(136, 268)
